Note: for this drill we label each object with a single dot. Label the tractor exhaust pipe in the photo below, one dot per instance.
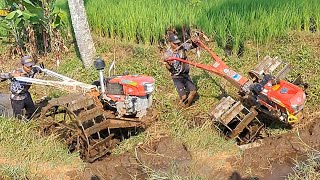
(111, 67)
(100, 65)
(101, 78)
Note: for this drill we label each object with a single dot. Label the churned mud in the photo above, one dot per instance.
(275, 156)
(271, 159)
(155, 159)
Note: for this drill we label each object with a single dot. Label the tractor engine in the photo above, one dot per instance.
(130, 94)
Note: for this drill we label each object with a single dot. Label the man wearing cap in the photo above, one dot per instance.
(20, 96)
(179, 70)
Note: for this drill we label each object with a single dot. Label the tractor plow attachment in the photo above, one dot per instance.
(270, 65)
(236, 121)
(84, 126)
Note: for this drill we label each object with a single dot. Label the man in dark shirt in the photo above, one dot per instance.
(20, 96)
(180, 71)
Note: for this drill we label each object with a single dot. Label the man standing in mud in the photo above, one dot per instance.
(180, 71)
(20, 96)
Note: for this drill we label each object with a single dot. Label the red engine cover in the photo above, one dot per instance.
(285, 94)
(133, 85)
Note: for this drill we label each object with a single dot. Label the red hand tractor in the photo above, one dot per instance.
(262, 93)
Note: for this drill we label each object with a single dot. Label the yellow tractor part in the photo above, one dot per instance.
(292, 118)
(3, 12)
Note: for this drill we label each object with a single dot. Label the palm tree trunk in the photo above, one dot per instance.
(82, 31)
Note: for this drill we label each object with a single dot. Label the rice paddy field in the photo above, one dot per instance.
(230, 22)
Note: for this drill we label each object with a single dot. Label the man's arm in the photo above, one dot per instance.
(188, 46)
(169, 66)
(5, 76)
(36, 69)
(167, 55)
(10, 75)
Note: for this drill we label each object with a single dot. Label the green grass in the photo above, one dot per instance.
(74, 69)
(26, 154)
(2, 3)
(173, 174)
(14, 172)
(3, 48)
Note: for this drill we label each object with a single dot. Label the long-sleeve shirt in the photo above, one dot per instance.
(19, 89)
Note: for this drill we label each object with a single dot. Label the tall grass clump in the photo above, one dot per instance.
(14, 172)
(308, 169)
(230, 22)
(25, 153)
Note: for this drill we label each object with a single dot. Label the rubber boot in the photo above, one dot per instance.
(190, 98)
(182, 101)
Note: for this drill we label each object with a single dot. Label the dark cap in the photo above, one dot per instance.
(27, 61)
(174, 38)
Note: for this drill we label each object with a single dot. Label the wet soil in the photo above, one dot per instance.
(275, 156)
(155, 159)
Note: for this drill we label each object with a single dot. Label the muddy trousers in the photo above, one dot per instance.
(19, 105)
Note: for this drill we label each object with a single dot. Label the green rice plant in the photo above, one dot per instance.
(229, 21)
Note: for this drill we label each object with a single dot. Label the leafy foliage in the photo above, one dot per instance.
(32, 27)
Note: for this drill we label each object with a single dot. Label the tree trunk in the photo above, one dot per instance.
(82, 31)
